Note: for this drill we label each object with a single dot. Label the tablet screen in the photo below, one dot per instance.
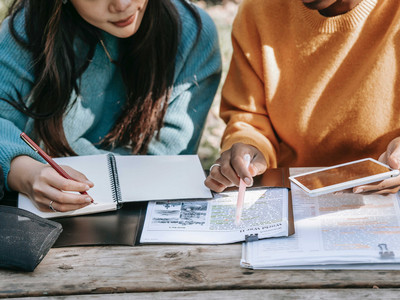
(340, 174)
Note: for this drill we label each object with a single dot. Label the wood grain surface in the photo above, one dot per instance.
(174, 268)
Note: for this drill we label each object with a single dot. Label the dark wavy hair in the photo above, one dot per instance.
(146, 63)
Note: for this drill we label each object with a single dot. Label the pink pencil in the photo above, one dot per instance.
(242, 190)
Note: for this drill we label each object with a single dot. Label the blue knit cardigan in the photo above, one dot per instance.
(92, 115)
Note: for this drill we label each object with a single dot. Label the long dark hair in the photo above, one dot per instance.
(146, 64)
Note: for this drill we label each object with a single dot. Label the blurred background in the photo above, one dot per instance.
(223, 13)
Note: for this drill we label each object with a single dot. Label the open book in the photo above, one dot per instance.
(267, 213)
(130, 178)
(346, 231)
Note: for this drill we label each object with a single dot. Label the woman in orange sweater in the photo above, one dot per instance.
(311, 83)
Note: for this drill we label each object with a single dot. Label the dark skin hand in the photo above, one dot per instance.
(231, 167)
(391, 157)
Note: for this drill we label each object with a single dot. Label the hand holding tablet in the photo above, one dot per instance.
(343, 176)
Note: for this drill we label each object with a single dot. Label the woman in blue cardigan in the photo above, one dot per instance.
(84, 77)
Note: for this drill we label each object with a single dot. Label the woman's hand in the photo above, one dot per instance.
(391, 157)
(230, 167)
(45, 186)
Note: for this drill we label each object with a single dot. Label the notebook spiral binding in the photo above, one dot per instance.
(115, 187)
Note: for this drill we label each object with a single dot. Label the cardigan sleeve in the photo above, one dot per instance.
(197, 76)
(17, 78)
(243, 103)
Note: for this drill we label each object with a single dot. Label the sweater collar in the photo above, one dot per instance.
(339, 23)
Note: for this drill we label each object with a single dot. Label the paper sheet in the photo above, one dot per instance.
(344, 228)
(144, 178)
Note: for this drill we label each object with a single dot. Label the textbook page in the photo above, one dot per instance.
(343, 228)
(213, 221)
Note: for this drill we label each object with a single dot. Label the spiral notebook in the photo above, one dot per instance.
(131, 178)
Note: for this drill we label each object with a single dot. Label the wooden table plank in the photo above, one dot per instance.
(287, 294)
(103, 270)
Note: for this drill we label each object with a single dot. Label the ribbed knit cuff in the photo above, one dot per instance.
(11, 147)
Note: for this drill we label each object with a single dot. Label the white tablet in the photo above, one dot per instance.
(343, 176)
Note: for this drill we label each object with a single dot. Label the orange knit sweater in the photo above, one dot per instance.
(308, 90)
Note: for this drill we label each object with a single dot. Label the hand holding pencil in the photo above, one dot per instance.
(48, 185)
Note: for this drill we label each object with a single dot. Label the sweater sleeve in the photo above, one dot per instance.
(197, 76)
(16, 81)
(243, 103)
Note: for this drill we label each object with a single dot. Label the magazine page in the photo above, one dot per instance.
(265, 214)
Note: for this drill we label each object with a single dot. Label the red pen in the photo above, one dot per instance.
(47, 158)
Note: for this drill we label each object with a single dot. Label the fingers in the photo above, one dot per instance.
(257, 166)
(62, 201)
(391, 156)
(50, 186)
(388, 191)
(59, 203)
(52, 178)
(215, 185)
(391, 190)
(232, 166)
(78, 176)
(387, 186)
(382, 158)
(394, 159)
(240, 168)
(227, 170)
(216, 181)
(41, 183)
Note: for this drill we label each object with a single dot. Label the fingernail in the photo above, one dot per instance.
(89, 182)
(358, 190)
(247, 180)
(87, 188)
(89, 200)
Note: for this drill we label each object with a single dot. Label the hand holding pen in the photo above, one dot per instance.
(51, 190)
(230, 167)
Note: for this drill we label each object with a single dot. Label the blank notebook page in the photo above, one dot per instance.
(161, 177)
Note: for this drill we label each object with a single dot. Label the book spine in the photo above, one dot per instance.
(114, 180)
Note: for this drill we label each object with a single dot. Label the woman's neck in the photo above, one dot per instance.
(339, 7)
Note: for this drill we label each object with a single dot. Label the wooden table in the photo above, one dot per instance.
(182, 271)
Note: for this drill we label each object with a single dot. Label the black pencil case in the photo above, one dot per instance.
(25, 238)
